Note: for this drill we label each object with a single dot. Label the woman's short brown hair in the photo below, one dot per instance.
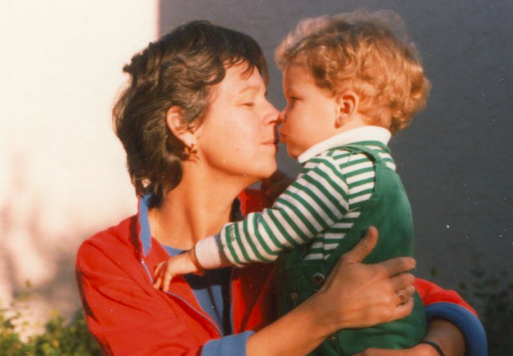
(365, 52)
(180, 69)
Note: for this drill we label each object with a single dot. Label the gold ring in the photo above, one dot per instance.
(402, 297)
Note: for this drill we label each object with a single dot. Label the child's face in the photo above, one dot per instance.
(310, 114)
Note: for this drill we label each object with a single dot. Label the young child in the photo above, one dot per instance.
(350, 81)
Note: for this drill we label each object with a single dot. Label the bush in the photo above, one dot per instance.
(492, 292)
(58, 339)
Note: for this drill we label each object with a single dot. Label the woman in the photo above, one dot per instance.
(198, 130)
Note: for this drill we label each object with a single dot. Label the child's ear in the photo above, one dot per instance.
(180, 129)
(347, 108)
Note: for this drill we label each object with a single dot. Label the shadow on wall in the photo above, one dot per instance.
(35, 257)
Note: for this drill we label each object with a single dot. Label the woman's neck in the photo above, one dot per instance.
(197, 208)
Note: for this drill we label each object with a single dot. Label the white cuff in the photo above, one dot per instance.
(208, 252)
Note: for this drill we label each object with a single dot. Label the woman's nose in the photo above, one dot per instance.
(272, 114)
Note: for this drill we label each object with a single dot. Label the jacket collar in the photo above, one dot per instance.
(143, 224)
(365, 133)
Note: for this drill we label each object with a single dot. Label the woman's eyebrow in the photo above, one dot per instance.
(249, 88)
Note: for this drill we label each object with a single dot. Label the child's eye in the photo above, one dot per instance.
(249, 104)
(292, 101)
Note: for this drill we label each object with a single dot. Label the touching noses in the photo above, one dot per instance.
(272, 114)
(281, 117)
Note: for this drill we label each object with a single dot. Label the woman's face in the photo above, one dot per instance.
(238, 136)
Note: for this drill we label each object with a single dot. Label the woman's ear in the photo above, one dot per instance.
(347, 108)
(180, 129)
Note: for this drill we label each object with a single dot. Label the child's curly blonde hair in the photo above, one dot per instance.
(368, 53)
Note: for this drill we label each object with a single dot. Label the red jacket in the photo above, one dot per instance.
(130, 317)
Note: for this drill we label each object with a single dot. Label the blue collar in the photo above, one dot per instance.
(144, 221)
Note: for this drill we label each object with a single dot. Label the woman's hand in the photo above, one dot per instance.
(357, 295)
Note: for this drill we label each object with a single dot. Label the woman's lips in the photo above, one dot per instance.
(273, 141)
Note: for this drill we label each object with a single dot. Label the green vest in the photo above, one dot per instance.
(389, 210)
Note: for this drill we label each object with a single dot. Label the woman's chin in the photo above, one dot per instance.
(267, 171)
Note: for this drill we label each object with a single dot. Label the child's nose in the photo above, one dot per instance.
(281, 117)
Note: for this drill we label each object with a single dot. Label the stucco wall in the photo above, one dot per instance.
(456, 160)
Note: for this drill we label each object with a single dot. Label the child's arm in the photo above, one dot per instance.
(275, 185)
(315, 201)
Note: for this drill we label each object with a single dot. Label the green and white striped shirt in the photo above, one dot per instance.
(319, 208)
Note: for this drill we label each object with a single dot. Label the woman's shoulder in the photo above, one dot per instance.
(109, 241)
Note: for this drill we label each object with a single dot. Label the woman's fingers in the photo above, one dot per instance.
(363, 248)
(356, 255)
(405, 294)
(397, 265)
(404, 302)
(362, 295)
(403, 310)
(402, 281)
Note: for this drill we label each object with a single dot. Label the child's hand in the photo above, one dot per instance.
(275, 185)
(175, 266)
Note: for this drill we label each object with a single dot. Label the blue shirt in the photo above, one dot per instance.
(212, 292)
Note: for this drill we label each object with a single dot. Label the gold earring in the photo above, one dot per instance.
(189, 151)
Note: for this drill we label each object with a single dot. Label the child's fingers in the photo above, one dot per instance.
(157, 283)
(157, 276)
(158, 270)
(167, 279)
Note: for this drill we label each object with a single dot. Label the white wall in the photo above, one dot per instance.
(63, 170)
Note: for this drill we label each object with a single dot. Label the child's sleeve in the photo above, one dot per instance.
(315, 201)
(209, 253)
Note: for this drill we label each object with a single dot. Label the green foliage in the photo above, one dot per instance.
(58, 339)
(491, 293)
